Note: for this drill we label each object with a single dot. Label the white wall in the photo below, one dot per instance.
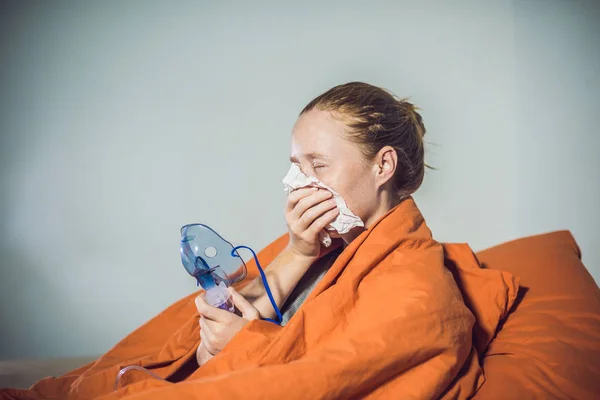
(558, 120)
(122, 121)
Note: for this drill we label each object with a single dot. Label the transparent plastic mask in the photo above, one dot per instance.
(209, 258)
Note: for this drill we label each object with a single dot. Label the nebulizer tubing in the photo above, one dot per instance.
(265, 283)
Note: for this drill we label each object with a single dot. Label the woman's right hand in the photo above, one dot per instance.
(308, 212)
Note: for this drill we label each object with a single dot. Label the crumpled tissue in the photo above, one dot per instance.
(346, 219)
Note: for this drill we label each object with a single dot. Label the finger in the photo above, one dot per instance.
(320, 223)
(246, 308)
(308, 202)
(213, 327)
(205, 340)
(210, 312)
(204, 326)
(310, 215)
(202, 355)
(297, 195)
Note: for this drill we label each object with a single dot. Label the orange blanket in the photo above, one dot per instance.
(387, 321)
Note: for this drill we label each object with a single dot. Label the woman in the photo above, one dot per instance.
(365, 144)
(377, 315)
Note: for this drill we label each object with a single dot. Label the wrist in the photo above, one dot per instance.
(291, 256)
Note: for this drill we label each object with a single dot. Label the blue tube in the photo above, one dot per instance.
(264, 279)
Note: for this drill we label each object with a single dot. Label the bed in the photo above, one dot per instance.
(547, 347)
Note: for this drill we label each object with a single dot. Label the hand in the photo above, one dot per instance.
(218, 327)
(308, 212)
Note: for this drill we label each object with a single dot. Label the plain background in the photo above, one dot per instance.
(122, 121)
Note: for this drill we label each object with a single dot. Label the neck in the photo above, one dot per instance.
(386, 202)
(375, 216)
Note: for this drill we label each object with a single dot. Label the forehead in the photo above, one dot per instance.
(317, 132)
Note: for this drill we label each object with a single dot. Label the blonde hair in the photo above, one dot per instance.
(377, 118)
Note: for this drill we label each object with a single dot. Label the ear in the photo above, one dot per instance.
(385, 164)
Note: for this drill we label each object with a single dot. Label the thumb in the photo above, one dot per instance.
(246, 308)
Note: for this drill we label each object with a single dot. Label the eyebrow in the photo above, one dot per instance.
(311, 156)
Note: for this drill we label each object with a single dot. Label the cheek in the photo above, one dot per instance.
(356, 190)
(358, 200)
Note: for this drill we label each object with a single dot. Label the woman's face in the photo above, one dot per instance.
(320, 149)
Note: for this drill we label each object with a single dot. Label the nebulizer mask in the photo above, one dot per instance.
(216, 265)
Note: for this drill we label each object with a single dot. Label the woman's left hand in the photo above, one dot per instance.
(217, 326)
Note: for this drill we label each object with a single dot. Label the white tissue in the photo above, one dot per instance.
(343, 223)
